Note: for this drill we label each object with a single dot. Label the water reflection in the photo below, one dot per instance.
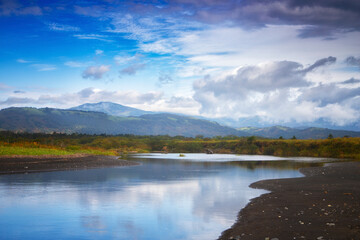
(163, 198)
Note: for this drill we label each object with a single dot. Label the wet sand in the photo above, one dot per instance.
(325, 204)
(45, 163)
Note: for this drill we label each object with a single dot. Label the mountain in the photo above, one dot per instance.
(111, 109)
(307, 133)
(316, 129)
(71, 121)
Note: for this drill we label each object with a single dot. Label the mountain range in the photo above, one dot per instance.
(112, 118)
(124, 111)
(71, 121)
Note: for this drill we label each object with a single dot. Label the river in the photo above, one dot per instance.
(166, 197)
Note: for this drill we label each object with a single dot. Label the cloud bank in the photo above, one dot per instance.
(84, 96)
(277, 92)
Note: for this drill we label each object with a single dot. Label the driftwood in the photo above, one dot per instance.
(209, 151)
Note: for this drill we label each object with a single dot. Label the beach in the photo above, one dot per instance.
(27, 164)
(324, 204)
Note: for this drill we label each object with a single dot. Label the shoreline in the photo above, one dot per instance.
(19, 164)
(324, 204)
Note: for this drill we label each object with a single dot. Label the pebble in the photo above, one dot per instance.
(235, 238)
(330, 224)
(320, 238)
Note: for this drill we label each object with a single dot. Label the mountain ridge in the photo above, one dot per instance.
(77, 121)
(111, 108)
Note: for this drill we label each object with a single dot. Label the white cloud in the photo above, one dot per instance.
(174, 104)
(95, 72)
(326, 94)
(165, 79)
(132, 28)
(99, 37)
(132, 69)
(127, 59)
(20, 60)
(62, 27)
(75, 64)
(162, 46)
(99, 52)
(44, 67)
(131, 64)
(123, 59)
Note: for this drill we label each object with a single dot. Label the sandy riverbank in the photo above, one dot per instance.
(28, 164)
(325, 204)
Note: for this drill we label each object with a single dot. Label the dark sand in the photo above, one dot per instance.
(28, 164)
(323, 205)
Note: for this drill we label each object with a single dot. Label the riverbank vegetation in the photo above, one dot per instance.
(63, 144)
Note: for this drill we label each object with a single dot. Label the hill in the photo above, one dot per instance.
(307, 133)
(75, 121)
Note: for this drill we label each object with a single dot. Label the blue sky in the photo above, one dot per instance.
(280, 61)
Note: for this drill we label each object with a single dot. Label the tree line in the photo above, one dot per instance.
(119, 144)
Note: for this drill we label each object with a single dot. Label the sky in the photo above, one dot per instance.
(277, 61)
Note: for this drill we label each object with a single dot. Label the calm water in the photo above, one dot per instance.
(167, 197)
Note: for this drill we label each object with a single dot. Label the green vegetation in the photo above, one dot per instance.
(14, 149)
(58, 143)
(26, 144)
(18, 150)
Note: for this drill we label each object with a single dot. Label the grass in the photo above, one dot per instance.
(46, 150)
